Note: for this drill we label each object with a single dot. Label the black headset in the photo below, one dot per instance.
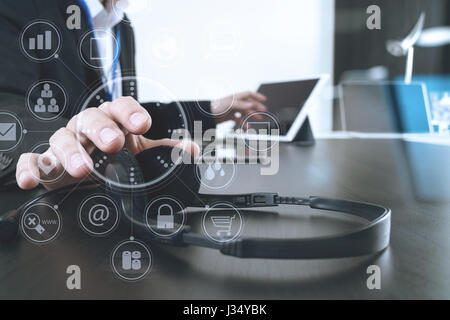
(370, 238)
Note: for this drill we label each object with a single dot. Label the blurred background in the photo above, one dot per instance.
(209, 48)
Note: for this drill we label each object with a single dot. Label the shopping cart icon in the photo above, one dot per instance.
(223, 224)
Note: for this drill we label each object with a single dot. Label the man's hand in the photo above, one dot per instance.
(236, 107)
(110, 127)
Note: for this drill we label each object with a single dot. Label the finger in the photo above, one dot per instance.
(99, 129)
(27, 171)
(252, 95)
(258, 106)
(186, 145)
(190, 147)
(129, 113)
(70, 153)
(249, 106)
(258, 96)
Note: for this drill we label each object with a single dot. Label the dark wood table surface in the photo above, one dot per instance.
(413, 179)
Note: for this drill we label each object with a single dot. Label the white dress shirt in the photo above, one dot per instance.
(104, 17)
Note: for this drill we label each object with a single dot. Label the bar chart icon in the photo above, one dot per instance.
(41, 41)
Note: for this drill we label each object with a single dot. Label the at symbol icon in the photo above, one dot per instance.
(98, 215)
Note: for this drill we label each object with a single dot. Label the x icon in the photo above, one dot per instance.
(31, 221)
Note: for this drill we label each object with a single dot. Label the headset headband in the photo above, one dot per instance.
(367, 239)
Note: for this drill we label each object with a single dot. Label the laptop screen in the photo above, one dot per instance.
(386, 107)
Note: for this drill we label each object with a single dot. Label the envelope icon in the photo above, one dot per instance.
(8, 131)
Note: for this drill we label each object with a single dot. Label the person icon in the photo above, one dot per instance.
(46, 92)
(39, 107)
(53, 107)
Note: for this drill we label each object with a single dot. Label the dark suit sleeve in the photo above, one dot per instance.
(193, 108)
(162, 113)
(17, 73)
(15, 69)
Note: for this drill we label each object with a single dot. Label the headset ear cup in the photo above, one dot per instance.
(122, 167)
(118, 168)
(126, 168)
(181, 184)
(129, 162)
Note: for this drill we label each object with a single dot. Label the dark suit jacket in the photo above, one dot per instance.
(18, 73)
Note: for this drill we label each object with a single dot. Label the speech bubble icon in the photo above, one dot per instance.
(47, 162)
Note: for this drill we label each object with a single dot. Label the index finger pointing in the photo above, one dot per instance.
(129, 113)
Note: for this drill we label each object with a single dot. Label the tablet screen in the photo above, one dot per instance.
(286, 99)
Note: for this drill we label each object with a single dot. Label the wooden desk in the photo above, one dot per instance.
(411, 178)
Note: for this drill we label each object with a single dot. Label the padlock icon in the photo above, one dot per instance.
(165, 220)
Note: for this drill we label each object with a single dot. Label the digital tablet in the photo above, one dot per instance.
(288, 105)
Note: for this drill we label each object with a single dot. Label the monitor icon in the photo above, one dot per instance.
(258, 127)
(97, 47)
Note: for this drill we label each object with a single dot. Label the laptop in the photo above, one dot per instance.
(384, 109)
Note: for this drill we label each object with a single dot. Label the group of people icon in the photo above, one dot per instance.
(46, 93)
